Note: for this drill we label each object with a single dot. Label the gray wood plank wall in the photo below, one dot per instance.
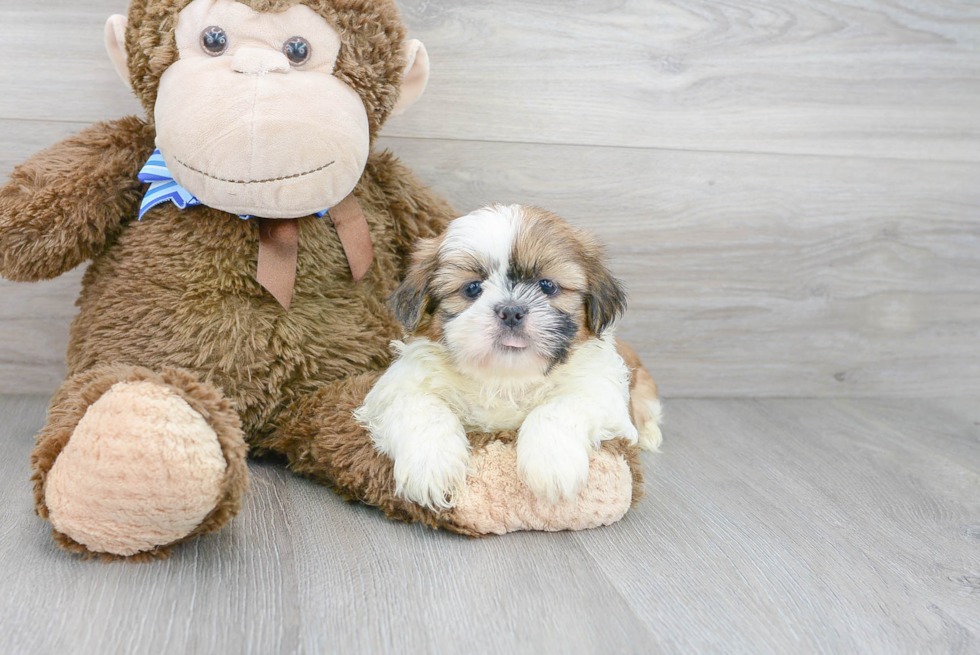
(791, 190)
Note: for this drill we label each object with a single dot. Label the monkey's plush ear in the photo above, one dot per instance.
(605, 298)
(411, 300)
(414, 77)
(115, 45)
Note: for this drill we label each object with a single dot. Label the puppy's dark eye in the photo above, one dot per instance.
(214, 41)
(548, 287)
(473, 290)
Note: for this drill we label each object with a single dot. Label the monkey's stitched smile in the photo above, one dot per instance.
(271, 179)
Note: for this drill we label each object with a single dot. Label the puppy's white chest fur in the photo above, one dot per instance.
(483, 401)
(503, 408)
(490, 402)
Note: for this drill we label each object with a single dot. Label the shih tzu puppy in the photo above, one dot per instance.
(510, 314)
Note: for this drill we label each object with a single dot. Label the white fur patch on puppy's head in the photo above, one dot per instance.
(509, 289)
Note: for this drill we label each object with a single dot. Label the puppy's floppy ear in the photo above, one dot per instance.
(412, 300)
(605, 297)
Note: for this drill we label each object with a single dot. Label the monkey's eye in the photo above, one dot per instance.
(297, 50)
(473, 290)
(214, 41)
(548, 287)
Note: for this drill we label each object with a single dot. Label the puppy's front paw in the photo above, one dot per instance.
(431, 472)
(552, 458)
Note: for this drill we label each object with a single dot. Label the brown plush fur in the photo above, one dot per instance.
(68, 202)
(324, 442)
(172, 299)
(178, 289)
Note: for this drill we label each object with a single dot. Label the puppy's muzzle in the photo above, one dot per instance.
(511, 315)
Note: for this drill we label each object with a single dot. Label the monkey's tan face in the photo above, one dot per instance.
(251, 119)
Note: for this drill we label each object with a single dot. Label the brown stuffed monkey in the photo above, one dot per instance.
(243, 240)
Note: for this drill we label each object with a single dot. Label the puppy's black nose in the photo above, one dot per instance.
(511, 315)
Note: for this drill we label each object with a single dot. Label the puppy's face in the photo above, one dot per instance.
(509, 290)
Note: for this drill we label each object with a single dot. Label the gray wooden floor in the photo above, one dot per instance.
(776, 526)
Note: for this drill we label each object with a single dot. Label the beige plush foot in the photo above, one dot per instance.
(142, 469)
(496, 501)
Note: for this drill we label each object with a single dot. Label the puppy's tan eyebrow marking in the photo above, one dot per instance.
(547, 248)
(468, 263)
(544, 246)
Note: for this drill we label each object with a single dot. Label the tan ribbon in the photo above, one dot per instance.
(279, 244)
(352, 228)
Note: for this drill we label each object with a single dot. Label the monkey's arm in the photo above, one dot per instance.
(64, 204)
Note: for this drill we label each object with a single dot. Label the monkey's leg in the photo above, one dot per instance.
(132, 462)
(322, 441)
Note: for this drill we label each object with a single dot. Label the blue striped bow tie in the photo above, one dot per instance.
(163, 187)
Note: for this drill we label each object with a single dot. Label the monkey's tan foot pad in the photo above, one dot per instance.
(496, 500)
(142, 469)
